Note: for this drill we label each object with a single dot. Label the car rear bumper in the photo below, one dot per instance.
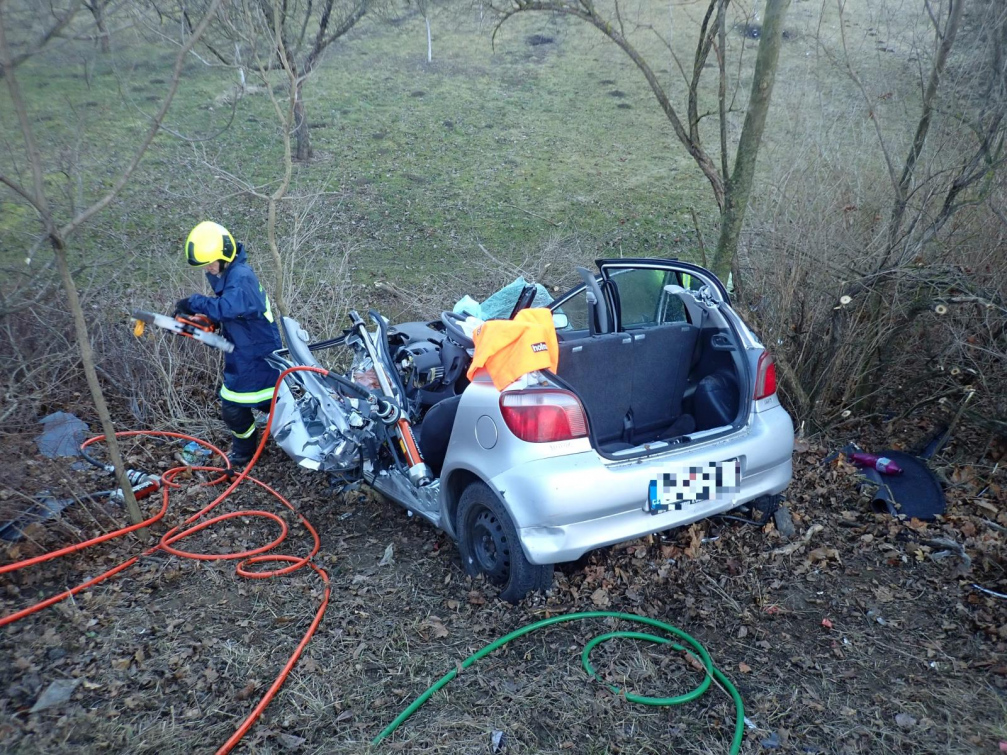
(566, 506)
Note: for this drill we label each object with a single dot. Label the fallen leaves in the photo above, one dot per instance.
(246, 692)
(290, 741)
(435, 626)
(824, 554)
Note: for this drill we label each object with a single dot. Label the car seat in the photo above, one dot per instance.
(435, 432)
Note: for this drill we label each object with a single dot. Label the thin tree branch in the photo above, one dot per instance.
(60, 24)
(585, 11)
(155, 126)
(18, 189)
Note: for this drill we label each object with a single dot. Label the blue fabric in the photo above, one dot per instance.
(240, 306)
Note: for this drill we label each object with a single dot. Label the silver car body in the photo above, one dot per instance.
(565, 497)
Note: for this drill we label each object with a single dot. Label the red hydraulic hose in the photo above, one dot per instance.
(249, 559)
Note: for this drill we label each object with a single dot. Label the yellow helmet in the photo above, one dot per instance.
(209, 242)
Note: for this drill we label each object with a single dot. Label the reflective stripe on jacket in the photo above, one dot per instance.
(241, 306)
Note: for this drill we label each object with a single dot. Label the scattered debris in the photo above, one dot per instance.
(974, 586)
(498, 741)
(55, 694)
(45, 507)
(951, 548)
(787, 550)
(389, 555)
(915, 494)
(62, 435)
(784, 522)
(772, 742)
(888, 595)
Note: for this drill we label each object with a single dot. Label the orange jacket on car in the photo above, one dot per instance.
(509, 349)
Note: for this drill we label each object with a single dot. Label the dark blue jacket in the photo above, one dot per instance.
(241, 306)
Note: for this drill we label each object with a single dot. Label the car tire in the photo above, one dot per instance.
(489, 545)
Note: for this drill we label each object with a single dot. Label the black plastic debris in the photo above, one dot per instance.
(915, 494)
(62, 435)
(45, 507)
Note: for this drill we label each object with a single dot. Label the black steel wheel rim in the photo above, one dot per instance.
(489, 544)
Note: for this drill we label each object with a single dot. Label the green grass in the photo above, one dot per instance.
(508, 149)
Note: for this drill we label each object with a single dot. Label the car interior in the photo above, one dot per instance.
(649, 362)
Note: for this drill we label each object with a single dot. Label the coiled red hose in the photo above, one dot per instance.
(196, 523)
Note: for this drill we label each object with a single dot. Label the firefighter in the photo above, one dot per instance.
(241, 307)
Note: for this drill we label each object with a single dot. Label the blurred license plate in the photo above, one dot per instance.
(686, 485)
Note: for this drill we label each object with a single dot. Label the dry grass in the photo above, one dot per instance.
(175, 653)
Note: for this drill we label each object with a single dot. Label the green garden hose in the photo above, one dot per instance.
(694, 649)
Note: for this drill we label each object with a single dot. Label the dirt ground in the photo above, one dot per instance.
(862, 634)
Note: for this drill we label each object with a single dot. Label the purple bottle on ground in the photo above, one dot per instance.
(881, 463)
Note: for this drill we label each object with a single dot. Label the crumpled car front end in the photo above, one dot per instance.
(314, 430)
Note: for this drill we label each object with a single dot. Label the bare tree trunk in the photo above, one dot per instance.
(430, 44)
(301, 124)
(41, 204)
(87, 360)
(739, 185)
(36, 197)
(97, 8)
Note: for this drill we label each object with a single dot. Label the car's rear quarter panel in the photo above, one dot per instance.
(566, 499)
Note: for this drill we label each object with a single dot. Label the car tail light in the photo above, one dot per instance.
(765, 376)
(541, 416)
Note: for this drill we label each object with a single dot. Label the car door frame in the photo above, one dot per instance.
(607, 266)
(677, 266)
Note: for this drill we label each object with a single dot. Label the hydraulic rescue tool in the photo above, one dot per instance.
(198, 327)
(419, 472)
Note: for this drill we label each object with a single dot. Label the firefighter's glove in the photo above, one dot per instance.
(182, 307)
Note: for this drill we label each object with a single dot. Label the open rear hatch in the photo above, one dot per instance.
(669, 370)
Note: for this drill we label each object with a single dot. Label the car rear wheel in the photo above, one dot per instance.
(489, 545)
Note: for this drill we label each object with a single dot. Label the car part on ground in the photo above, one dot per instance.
(915, 493)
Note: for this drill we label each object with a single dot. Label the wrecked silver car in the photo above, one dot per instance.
(662, 411)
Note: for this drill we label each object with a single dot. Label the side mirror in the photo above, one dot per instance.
(560, 321)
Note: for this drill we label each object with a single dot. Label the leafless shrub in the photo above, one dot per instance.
(877, 281)
(157, 379)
